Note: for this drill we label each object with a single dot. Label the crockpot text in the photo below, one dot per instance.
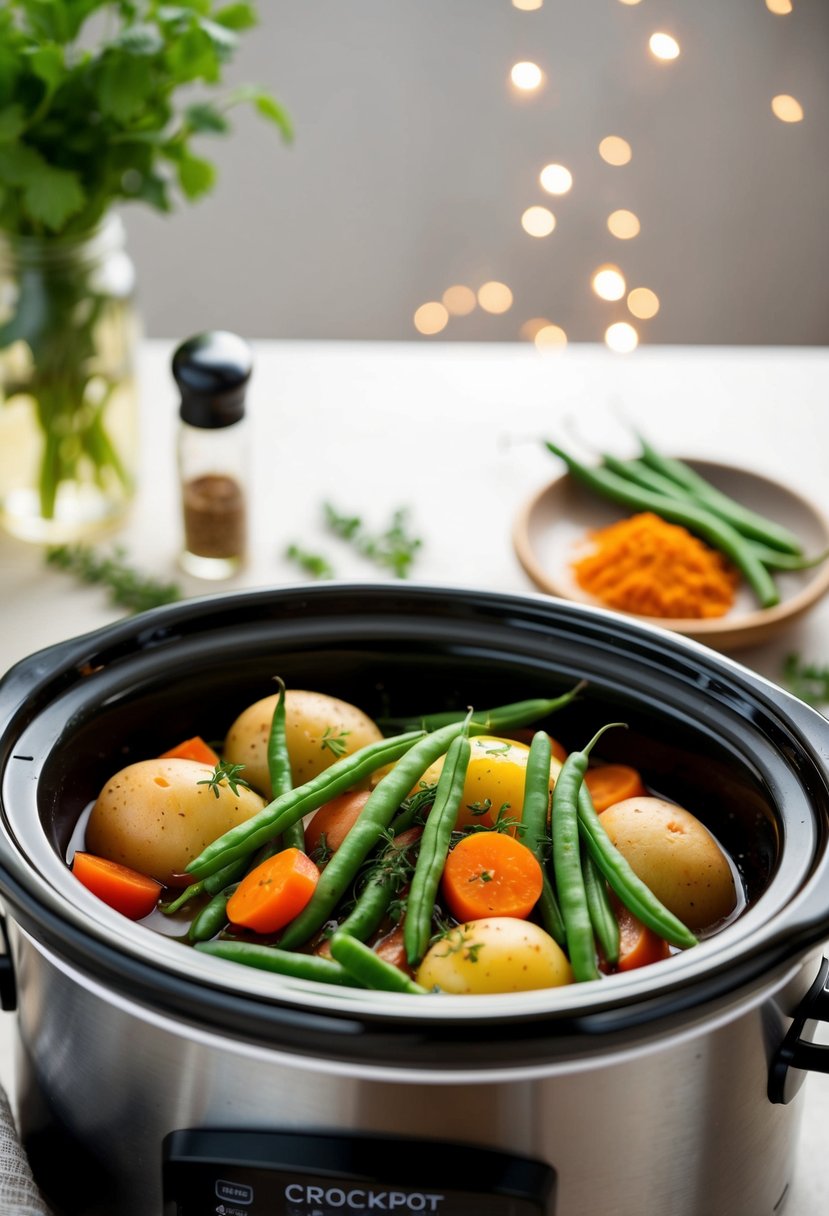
(357, 1199)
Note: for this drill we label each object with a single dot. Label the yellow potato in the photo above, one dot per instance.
(154, 816)
(318, 729)
(499, 954)
(676, 856)
(494, 780)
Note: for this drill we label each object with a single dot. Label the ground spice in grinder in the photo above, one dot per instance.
(212, 371)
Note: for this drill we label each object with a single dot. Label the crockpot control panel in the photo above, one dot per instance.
(261, 1173)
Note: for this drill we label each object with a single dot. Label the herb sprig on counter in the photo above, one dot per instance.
(809, 681)
(128, 587)
(395, 548)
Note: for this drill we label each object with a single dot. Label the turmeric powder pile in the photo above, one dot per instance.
(650, 567)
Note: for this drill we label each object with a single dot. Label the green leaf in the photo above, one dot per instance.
(223, 39)
(270, 108)
(192, 57)
(141, 39)
(237, 16)
(12, 122)
(47, 64)
(50, 195)
(196, 176)
(123, 85)
(205, 117)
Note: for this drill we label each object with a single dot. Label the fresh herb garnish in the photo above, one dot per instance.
(127, 587)
(224, 771)
(336, 743)
(315, 564)
(394, 548)
(809, 681)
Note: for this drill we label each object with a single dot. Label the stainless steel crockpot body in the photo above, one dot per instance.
(151, 1077)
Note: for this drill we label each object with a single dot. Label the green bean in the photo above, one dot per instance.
(213, 916)
(374, 819)
(581, 946)
(502, 717)
(620, 877)
(385, 881)
(748, 522)
(211, 885)
(287, 809)
(279, 768)
(697, 519)
(434, 846)
(551, 918)
(535, 812)
(283, 962)
(372, 971)
(602, 918)
(533, 831)
(774, 559)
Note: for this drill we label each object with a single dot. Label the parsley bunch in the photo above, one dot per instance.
(89, 109)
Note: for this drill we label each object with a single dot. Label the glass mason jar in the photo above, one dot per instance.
(68, 399)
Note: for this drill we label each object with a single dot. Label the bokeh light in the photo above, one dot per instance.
(779, 7)
(430, 318)
(787, 108)
(663, 46)
(643, 303)
(550, 337)
(608, 282)
(555, 179)
(495, 297)
(621, 337)
(615, 150)
(458, 300)
(526, 76)
(527, 6)
(623, 224)
(538, 221)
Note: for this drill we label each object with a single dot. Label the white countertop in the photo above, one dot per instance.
(451, 432)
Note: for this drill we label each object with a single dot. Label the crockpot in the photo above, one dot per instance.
(151, 1078)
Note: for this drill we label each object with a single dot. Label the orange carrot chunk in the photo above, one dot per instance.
(491, 874)
(638, 945)
(127, 891)
(193, 749)
(609, 783)
(274, 893)
(329, 826)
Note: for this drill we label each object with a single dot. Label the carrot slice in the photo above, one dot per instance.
(610, 783)
(126, 890)
(334, 820)
(638, 945)
(193, 749)
(491, 874)
(274, 893)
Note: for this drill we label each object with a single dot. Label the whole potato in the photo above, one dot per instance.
(498, 954)
(154, 816)
(676, 856)
(494, 781)
(318, 730)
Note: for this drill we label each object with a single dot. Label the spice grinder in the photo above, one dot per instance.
(152, 1078)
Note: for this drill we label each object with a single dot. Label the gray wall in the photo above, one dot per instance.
(414, 160)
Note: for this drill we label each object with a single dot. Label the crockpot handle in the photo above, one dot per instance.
(797, 1052)
(8, 985)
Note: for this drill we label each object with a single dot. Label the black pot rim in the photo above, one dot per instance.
(300, 1016)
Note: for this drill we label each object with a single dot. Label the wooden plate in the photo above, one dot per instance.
(552, 526)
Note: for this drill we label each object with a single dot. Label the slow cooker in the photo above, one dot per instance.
(152, 1078)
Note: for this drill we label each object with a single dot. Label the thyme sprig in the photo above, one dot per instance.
(395, 548)
(128, 587)
(225, 772)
